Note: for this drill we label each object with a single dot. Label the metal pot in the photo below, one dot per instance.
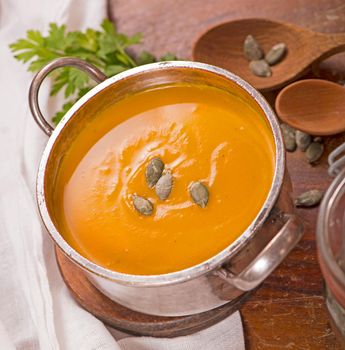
(240, 267)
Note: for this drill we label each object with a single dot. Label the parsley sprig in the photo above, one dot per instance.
(105, 48)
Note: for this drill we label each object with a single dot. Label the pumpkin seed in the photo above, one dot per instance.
(303, 140)
(276, 54)
(260, 68)
(314, 152)
(289, 134)
(318, 139)
(142, 205)
(252, 49)
(154, 171)
(199, 193)
(309, 198)
(164, 186)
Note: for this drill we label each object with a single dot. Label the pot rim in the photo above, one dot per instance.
(195, 270)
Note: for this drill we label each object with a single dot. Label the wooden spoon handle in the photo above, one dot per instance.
(332, 44)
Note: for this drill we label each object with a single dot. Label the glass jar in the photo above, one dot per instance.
(331, 251)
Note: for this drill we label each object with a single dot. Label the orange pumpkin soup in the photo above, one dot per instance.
(201, 134)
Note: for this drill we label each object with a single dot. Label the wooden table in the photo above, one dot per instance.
(287, 311)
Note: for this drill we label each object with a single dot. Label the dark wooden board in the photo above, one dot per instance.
(288, 310)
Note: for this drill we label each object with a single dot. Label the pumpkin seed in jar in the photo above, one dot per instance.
(314, 152)
(252, 49)
(199, 193)
(154, 171)
(142, 205)
(260, 68)
(303, 140)
(309, 199)
(276, 54)
(289, 136)
(164, 186)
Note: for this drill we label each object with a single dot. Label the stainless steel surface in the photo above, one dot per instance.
(198, 288)
(336, 160)
(269, 258)
(331, 250)
(91, 70)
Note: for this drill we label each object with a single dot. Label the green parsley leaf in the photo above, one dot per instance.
(145, 58)
(65, 108)
(106, 48)
(168, 57)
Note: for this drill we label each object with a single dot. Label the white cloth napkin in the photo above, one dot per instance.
(36, 309)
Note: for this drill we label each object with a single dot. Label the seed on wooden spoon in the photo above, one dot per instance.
(314, 152)
(199, 193)
(164, 186)
(303, 140)
(221, 46)
(252, 49)
(260, 68)
(309, 198)
(289, 136)
(276, 54)
(142, 205)
(154, 171)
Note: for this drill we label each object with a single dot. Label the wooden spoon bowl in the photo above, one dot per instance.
(223, 46)
(314, 106)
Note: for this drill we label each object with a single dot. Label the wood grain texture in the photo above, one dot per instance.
(314, 106)
(288, 311)
(222, 46)
(174, 25)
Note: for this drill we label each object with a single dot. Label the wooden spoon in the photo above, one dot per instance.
(314, 106)
(223, 46)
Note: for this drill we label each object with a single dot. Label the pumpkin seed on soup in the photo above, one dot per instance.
(252, 49)
(164, 186)
(154, 171)
(276, 54)
(142, 205)
(309, 198)
(199, 193)
(260, 68)
(314, 152)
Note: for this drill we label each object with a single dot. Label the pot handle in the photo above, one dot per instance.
(268, 259)
(86, 67)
